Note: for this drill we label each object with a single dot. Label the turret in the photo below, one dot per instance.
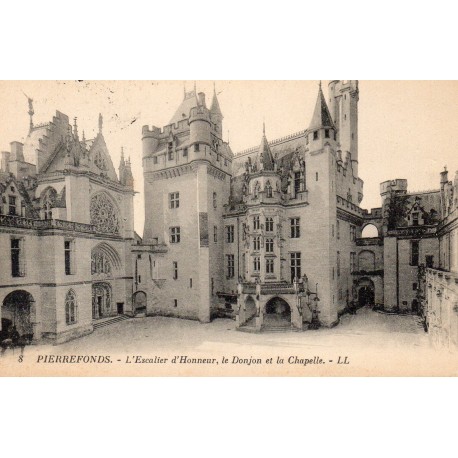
(321, 129)
(216, 114)
(150, 140)
(343, 103)
(5, 167)
(200, 124)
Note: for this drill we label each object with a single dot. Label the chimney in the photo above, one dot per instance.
(202, 99)
(5, 167)
(17, 151)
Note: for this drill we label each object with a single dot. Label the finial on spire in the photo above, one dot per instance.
(100, 123)
(320, 84)
(75, 127)
(31, 112)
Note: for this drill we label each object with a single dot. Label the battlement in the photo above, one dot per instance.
(156, 132)
(199, 113)
(397, 185)
(373, 213)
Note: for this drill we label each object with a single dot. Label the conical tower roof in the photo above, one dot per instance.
(215, 108)
(265, 154)
(321, 115)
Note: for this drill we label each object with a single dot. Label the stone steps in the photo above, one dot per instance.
(109, 321)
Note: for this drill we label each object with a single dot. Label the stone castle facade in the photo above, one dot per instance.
(273, 236)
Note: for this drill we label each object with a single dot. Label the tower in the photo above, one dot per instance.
(187, 171)
(343, 103)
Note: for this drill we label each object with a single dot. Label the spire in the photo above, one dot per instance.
(75, 128)
(31, 112)
(265, 154)
(215, 108)
(122, 155)
(321, 115)
(100, 123)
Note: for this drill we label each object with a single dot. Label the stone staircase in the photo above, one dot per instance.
(108, 321)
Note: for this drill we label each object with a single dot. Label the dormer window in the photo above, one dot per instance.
(12, 204)
(197, 147)
(170, 151)
(185, 152)
(315, 135)
(326, 133)
(415, 219)
(268, 189)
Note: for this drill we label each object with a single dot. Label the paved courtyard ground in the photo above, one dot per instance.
(373, 343)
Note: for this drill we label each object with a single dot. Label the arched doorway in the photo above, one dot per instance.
(278, 313)
(17, 312)
(366, 292)
(101, 300)
(140, 301)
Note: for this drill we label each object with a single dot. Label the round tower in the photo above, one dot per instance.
(150, 140)
(200, 124)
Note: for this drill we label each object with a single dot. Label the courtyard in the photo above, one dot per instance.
(368, 343)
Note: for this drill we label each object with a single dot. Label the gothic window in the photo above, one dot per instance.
(268, 189)
(68, 256)
(104, 215)
(269, 224)
(48, 202)
(297, 182)
(295, 265)
(315, 135)
(295, 228)
(70, 308)
(17, 258)
(230, 234)
(256, 263)
(256, 222)
(414, 252)
(256, 243)
(12, 205)
(170, 150)
(415, 218)
(326, 133)
(269, 266)
(100, 264)
(269, 245)
(230, 265)
(214, 200)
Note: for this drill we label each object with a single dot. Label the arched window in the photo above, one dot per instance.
(71, 308)
(214, 200)
(269, 245)
(48, 202)
(269, 224)
(268, 189)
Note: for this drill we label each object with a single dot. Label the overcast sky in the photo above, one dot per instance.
(406, 129)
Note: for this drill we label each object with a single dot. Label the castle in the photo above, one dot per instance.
(273, 236)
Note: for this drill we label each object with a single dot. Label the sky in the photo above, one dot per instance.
(406, 128)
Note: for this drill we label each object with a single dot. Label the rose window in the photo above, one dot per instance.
(104, 215)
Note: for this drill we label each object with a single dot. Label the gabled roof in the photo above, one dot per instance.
(321, 115)
(182, 112)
